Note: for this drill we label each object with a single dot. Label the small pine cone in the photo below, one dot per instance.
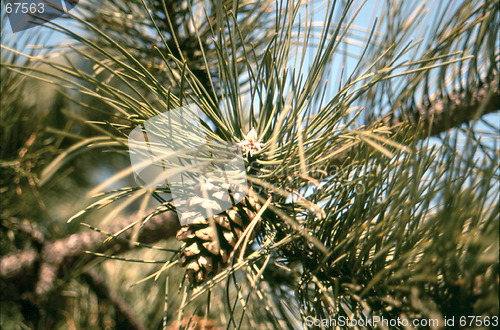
(209, 243)
(193, 323)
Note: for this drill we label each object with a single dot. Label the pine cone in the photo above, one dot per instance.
(210, 242)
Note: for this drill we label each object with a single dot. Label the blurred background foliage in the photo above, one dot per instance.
(381, 160)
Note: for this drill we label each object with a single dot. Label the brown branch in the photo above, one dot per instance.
(19, 263)
(102, 290)
(442, 113)
(438, 115)
(22, 265)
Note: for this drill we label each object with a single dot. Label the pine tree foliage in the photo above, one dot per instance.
(377, 186)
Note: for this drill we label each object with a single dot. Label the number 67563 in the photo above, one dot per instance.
(25, 8)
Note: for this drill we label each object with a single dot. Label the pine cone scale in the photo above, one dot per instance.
(209, 243)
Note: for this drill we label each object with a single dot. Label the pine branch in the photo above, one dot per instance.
(438, 115)
(67, 251)
(442, 113)
(19, 264)
(124, 311)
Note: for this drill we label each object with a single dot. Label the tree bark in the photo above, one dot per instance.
(23, 265)
(438, 115)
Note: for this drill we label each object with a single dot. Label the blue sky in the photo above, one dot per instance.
(362, 25)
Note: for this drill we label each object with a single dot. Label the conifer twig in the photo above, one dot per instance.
(124, 311)
(66, 251)
(444, 113)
